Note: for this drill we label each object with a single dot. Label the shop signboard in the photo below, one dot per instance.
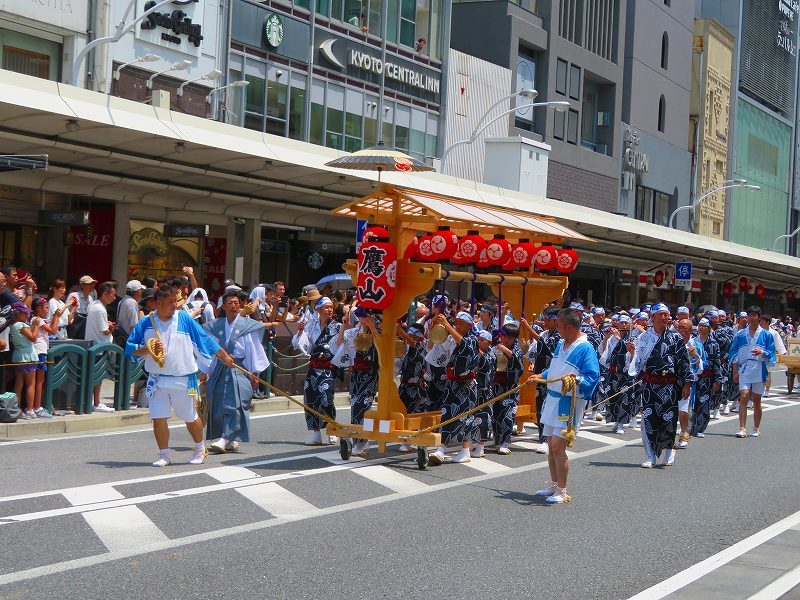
(274, 246)
(66, 14)
(63, 217)
(185, 230)
(177, 26)
(683, 275)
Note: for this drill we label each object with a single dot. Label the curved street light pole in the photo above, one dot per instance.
(784, 237)
(731, 183)
(559, 104)
(122, 29)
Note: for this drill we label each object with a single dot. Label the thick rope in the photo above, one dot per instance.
(316, 413)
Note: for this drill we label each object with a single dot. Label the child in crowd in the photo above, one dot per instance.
(45, 329)
(23, 336)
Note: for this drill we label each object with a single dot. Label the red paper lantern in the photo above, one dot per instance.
(444, 243)
(790, 296)
(727, 289)
(377, 274)
(424, 250)
(470, 247)
(483, 260)
(659, 278)
(546, 257)
(567, 260)
(522, 254)
(744, 285)
(498, 250)
(374, 232)
(411, 249)
(760, 291)
(509, 264)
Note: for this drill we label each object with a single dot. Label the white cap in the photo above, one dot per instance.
(134, 285)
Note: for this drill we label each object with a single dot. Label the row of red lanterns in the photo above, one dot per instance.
(497, 252)
(744, 285)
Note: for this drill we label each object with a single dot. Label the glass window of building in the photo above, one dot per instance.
(297, 106)
(388, 123)
(255, 94)
(370, 121)
(662, 114)
(561, 77)
(572, 127)
(303, 4)
(559, 124)
(277, 101)
(353, 125)
(29, 55)
(408, 25)
(574, 82)
(416, 139)
(393, 21)
(664, 50)
(334, 117)
(317, 124)
(434, 47)
(233, 108)
(375, 20)
(431, 135)
(402, 125)
(323, 7)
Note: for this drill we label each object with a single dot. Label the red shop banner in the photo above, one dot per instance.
(215, 255)
(92, 247)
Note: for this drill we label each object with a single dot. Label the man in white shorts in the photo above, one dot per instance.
(175, 385)
(752, 351)
(574, 356)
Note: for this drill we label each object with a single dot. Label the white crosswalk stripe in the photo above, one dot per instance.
(91, 493)
(229, 474)
(277, 501)
(124, 527)
(390, 478)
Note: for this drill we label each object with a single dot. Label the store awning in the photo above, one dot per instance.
(424, 211)
(129, 152)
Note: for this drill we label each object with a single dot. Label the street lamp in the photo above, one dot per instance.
(235, 84)
(212, 76)
(730, 183)
(560, 106)
(783, 237)
(122, 29)
(142, 59)
(181, 65)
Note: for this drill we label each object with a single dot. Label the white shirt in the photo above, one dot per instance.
(780, 347)
(97, 323)
(42, 343)
(83, 301)
(54, 305)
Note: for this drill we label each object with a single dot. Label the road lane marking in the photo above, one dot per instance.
(156, 546)
(278, 501)
(390, 478)
(484, 465)
(83, 436)
(124, 528)
(603, 439)
(712, 563)
(779, 587)
(92, 494)
(230, 473)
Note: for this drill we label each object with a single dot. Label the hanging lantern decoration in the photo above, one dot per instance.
(483, 260)
(659, 278)
(374, 232)
(546, 257)
(412, 249)
(377, 274)
(744, 285)
(727, 289)
(522, 254)
(457, 259)
(567, 260)
(760, 291)
(790, 296)
(470, 247)
(444, 243)
(498, 250)
(509, 265)
(425, 251)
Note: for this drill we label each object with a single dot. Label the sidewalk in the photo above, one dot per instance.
(124, 418)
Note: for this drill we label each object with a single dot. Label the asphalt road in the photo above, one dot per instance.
(297, 522)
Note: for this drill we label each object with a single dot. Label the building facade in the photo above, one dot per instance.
(763, 117)
(709, 139)
(569, 51)
(655, 170)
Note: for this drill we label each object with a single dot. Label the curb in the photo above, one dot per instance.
(128, 418)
